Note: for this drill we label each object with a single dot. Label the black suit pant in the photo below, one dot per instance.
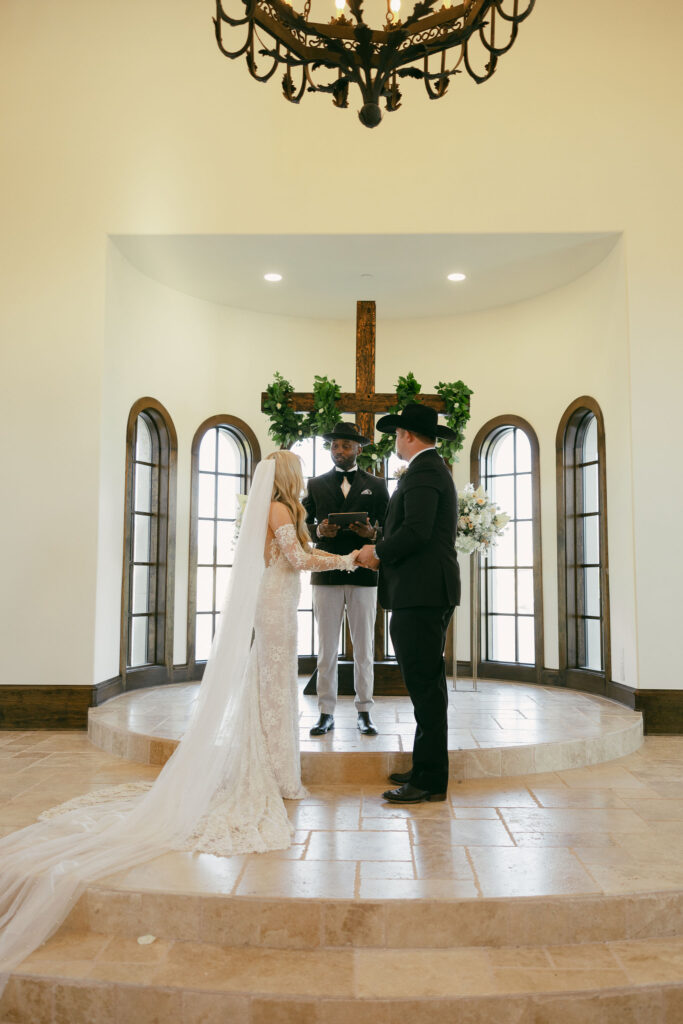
(419, 639)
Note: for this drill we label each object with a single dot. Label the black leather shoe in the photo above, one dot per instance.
(365, 724)
(407, 794)
(324, 724)
(401, 777)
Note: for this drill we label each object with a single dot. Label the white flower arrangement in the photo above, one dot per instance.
(480, 522)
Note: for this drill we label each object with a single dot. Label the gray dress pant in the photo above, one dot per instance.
(361, 608)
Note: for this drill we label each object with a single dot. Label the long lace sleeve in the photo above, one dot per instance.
(309, 561)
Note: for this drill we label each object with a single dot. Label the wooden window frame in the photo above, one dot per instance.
(565, 449)
(159, 669)
(498, 669)
(252, 450)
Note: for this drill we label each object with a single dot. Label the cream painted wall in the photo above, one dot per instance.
(531, 359)
(124, 118)
(198, 360)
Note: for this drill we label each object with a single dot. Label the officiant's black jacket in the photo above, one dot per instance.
(418, 563)
(368, 494)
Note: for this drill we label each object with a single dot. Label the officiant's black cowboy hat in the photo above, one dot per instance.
(346, 432)
(420, 419)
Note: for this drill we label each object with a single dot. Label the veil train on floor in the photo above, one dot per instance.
(221, 760)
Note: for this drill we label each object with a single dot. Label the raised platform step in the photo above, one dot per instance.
(501, 730)
(86, 978)
(286, 923)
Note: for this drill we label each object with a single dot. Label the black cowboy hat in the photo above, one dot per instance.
(418, 418)
(346, 432)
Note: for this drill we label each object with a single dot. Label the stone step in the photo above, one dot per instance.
(290, 923)
(501, 731)
(86, 978)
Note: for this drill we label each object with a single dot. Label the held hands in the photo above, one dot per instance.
(366, 557)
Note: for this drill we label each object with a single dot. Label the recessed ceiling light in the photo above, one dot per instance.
(457, 277)
(272, 277)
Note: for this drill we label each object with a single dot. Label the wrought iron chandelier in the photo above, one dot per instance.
(374, 60)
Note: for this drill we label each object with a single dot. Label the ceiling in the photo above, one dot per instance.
(324, 275)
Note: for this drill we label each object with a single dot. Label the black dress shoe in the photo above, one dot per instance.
(365, 724)
(324, 724)
(407, 794)
(401, 777)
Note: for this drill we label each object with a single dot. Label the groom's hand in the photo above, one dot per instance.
(366, 557)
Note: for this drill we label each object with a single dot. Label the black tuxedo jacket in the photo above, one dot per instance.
(418, 563)
(368, 494)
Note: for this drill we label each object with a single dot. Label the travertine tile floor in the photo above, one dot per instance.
(592, 857)
(610, 828)
(502, 729)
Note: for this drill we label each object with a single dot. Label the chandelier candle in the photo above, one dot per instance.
(318, 57)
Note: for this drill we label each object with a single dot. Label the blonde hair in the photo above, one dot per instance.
(287, 488)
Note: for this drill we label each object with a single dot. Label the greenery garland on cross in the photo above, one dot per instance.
(287, 426)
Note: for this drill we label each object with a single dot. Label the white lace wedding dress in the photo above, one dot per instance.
(221, 791)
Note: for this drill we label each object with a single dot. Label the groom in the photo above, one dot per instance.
(419, 580)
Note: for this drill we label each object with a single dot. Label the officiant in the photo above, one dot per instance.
(347, 489)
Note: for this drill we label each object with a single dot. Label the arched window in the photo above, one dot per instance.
(505, 460)
(149, 544)
(315, 459)
(224, 454)
(582, 544)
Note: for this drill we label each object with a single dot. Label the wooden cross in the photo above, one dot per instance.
(364, 401)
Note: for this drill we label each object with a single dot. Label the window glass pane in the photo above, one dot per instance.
(228, 489)
(205, 542)
(590, 489)
(590, 442)
(525, 591)
(138, 645)
(391, 465)
(502, 455)
(591, 540)
(143, 488)
(222, 579)
(207, 451)
(143, 442)
(204, 590)
(323, 459)
(502, 590)
(304, 449)
(140, 602)
(525, 639)
(225, 547)
(305, 620)
(203, 637)
(141, 528)
(502, 632)
(593, 645)
(524, 496)
(389, 647)
(207, 491)
(504, 551)
(229, 453)
(525, 543)
(523, 452)
(306, 599)
(592, 591)
(502, 491)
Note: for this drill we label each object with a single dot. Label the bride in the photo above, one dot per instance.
(221, 791)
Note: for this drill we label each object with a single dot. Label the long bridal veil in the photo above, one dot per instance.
(220, 767)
